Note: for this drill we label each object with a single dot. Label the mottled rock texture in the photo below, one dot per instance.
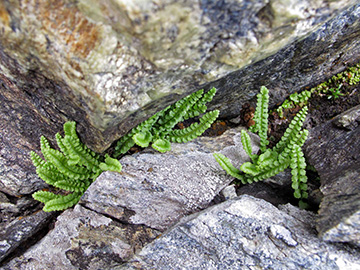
(244, 233)
(83, 239)
(333, 148)
(109, 65)
(303, 63)
(20, 230)
(158, 189)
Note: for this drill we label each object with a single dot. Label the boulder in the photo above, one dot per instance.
(83, 239)
(17, 234)
(108, 66)
(151, 216)
(333, 148)
(304, 63)
(244, 233)
(157, 189)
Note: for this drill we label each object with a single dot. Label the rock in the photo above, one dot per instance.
(333, 148)
(303, 63)
(108, 66)
(158, 189)
(83, 239)
(20, 230)
(14, 208)
(244, 233)
(20, 125)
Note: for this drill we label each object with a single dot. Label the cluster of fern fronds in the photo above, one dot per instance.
(71, 169)
(286, 153)
(75, 167)
(159, 130)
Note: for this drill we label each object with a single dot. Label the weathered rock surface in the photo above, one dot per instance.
(123, 212)
(20, 230)
(244, 233)
(18, 117)
(114, 58)
(333, 148)
(83, 239)
(108, 66)
(158, 189)
(305, 62)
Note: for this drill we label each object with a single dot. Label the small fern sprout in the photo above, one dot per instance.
(72, 169)
(270, 162)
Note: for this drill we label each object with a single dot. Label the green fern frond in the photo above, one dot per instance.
(60, 162)
(50, 174)
(298, 173)
(293, 129)
(194, 130)
(37, 160)
(45, 196)
(272, 171)
(296, 139)
(62, 202)
(111, 164)
(73, 168)
(142, 139)
(169, 120)
(70, 129)
(200, 106)
(226, 164)
(249, 168)
(161, 145)
(124, 144)
(73, 185)
(270, 162)
(158, 129)
(261, 117)
(267, 159)
(60, 143)
(80, 154)
(246, 143)
(44, 143)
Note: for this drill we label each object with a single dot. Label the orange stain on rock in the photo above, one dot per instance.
(4, 15)
(68, 27)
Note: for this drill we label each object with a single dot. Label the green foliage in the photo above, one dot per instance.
(332, 87)
(287, 152)
(335, 93)
(158, 131)
(295, 99)
(71, 169)
(261, 117)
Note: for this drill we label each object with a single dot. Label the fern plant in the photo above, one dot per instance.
(294, 99)
(269, 162)
(159, 130)
(71, 169)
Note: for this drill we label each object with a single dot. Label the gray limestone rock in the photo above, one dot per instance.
(158, 189)
(244, 233)
(83, 239)
(333, 148)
